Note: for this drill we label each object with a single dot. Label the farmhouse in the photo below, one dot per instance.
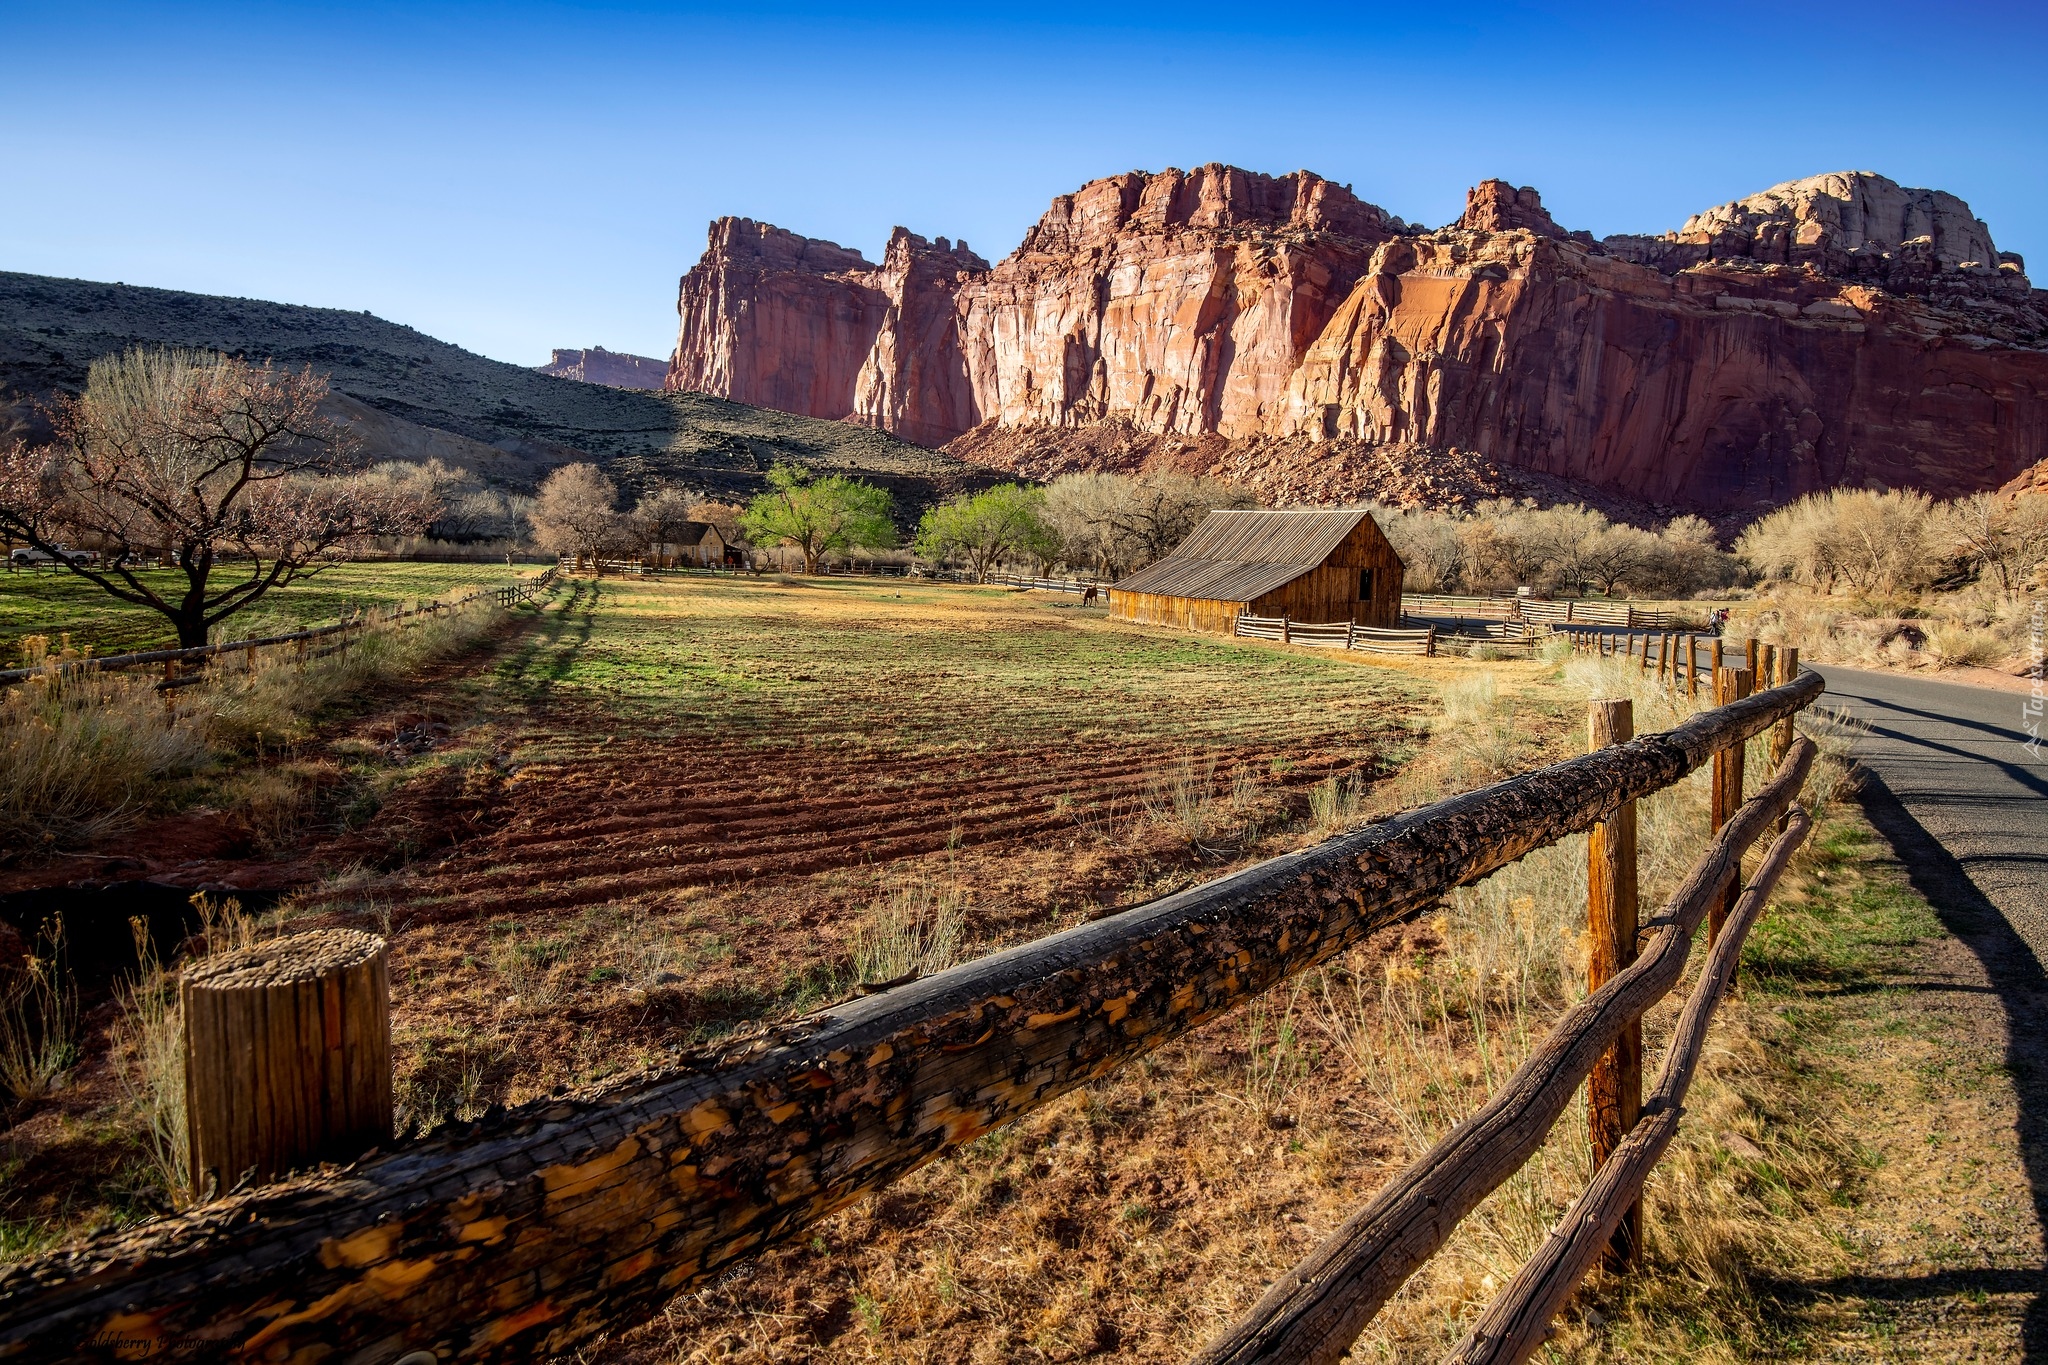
(697, 543)
(1308, 564)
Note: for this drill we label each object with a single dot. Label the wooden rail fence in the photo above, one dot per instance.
(1536, 610)
(532, 1230)
(1337, 635)
(176, 662)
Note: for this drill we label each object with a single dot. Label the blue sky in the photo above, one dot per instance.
(514, 177)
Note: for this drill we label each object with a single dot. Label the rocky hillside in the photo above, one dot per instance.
(1836, 330)
(616, 368)
(412, 397)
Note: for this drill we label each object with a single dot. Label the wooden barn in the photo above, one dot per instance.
(697, 543)
(1307, 564)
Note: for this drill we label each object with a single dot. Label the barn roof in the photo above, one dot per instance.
(692, 533)
(1236, 556)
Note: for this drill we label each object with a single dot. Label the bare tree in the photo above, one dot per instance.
(661, 514)
(2007, 535)
(577, 513)
(1612, 555)
(203, 461)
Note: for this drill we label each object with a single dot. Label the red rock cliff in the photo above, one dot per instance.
(1841, 329)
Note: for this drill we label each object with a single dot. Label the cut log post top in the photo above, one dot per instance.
(536, 1229)
(284, 961)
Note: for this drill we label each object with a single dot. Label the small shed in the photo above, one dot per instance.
(1307, 564)
(696, 542)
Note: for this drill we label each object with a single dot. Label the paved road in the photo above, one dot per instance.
(1956, 760)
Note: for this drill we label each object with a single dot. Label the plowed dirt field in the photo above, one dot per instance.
(674, 806)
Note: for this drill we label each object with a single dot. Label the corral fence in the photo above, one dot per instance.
(184, 667)
(1337, 635)
(1536, 610)
(532, 1230)
(1678, 659)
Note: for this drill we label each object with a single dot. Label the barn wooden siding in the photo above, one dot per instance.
(1302, 565)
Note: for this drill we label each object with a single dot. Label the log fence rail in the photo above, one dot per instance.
(530, 1231)
(1337, 635)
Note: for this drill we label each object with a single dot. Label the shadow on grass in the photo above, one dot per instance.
(2018, 980)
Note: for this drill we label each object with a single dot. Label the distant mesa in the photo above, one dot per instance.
(614, 369)
(1836, 330)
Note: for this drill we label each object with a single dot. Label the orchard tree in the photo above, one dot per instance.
(577, 513)
(818, 515)
(224, 468)
(987, 528)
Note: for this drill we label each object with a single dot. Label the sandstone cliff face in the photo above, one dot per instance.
(614, 369)
(1836, 330)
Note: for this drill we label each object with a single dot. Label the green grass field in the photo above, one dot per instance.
(52, 603)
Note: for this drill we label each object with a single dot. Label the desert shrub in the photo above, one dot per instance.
(149, 1039)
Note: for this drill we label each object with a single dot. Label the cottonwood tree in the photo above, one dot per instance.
(1612, 555)
(223, 468)
(1871, 541)
(985, 528)
(577, 513)
(818, 516)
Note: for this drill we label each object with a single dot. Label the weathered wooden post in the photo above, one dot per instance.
(1614, 1092)
(1767, 665)
(1692, 666)
(1787, 670)
(1351, 633)
(1429, 645)
(1646, 654)
(1730, 685)
(287, 1056)
(1750, 648)
(1664, 662)
(1713, 662)
(1286, 634)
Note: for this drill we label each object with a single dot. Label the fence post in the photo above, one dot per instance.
(1781, 733)
(1614, 1093)
(1730, 685)
(1664, 659)
(1286, 633)
(1750, 649)
(1646, 654)
(1351, 634)
(1429, 645)
(1713, 663)
(1692, 666)
(287, 1056)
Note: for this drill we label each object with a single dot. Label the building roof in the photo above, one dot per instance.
(693, 533)
(1237, 556)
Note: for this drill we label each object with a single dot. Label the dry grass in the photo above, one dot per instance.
(85, 755)
(149, 1039)
(81, 754)
(38, 1024)
(1137, 1219)
(916, 931)
(1976, 626)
